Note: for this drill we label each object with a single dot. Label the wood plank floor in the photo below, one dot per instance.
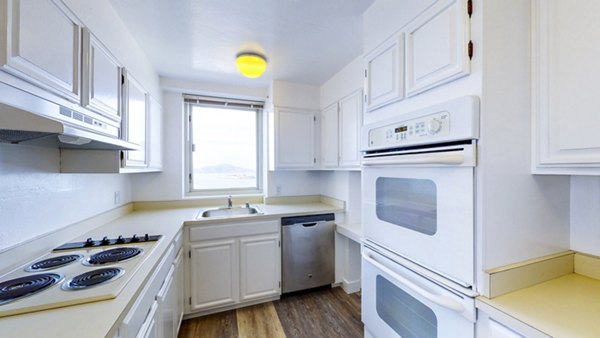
(321, 313)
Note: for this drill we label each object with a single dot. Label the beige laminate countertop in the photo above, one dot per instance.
(99, 319)
(568, 306)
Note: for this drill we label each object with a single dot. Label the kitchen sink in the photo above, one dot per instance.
(229, 212)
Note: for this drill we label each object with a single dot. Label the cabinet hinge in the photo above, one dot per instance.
(122, 153)
(190, 118)
(315, 118)
(193, 148)
(314, 160)
(280, 284)
(470, 49)
(122, 79)
(190, 181)
(470, 7)
(190, 254)
(279, 244)
(190, 300)
(365, 73)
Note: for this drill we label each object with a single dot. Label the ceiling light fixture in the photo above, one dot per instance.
(251, 64)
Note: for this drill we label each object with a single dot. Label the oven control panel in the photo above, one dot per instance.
(411, 131)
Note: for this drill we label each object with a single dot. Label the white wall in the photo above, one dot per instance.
(585, 214)
(36, 199)
(348, 80)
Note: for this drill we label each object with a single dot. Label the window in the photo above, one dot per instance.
(224, 146)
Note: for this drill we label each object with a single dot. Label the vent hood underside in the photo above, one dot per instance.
(30, 120)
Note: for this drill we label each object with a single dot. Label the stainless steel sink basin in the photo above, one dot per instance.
(228, 212)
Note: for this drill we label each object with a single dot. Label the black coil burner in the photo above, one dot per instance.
(17, 288)
(93, 278)
(113, 256)
(53, 262)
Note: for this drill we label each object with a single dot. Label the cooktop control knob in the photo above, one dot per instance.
(105, 241)
(135, 239)
(434, 126)
(120, 240)
(146, 237)
(89, 242)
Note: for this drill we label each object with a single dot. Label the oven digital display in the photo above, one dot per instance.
(401, 129)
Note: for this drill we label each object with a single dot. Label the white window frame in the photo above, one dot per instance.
(203, 101)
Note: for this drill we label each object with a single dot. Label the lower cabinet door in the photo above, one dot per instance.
(179, 292)
(259, 267)
(165, 299)
(150, 328)
(213, 274)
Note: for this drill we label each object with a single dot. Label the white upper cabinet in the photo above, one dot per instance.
(438, 46)
(384, 73)
(155, 135)
(350, 115)
(42, 45)
(134, 122)
(293, 135)
(566, 42)
(329, 137)
(101, 81)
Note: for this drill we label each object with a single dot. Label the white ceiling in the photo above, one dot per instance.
(305, 41)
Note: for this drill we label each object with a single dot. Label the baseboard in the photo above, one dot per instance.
(351, 286)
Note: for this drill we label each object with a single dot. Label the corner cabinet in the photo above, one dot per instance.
(438, 47)
(340, 133)
(42, 45)
(291, 139)
(384, 73)
(566, 40)
(232, 264)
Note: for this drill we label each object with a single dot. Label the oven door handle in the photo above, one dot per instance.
(440, 300)
(446, 158)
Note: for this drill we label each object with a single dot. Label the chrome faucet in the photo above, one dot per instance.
(229, 202)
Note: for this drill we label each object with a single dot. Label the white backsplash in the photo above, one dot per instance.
(35, 198)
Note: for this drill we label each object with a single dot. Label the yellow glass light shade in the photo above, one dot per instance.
(250, 64)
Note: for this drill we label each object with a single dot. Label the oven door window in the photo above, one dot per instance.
(404, 313)
(406, 202)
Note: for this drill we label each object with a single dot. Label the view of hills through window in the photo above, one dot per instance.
(225, 148)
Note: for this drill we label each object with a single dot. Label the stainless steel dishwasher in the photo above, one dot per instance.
(307, 251)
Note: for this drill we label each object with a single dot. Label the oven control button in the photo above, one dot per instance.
(134, 239)
(434, 126)
(120, 240)
(105, 241)
(89, 242)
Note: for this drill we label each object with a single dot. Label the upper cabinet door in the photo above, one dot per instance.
(134, 123)
(101, 78)
(566, 43)
(437, 46)
(42, 45)
(295, 135)
(349, 129)
(329, 136)
(384, 73)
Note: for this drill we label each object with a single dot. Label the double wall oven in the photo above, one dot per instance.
(418, 222)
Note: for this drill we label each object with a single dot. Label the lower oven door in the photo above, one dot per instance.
(397, 302)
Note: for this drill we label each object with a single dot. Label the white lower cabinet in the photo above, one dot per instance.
(213, 274)
(495, 324)
(259, 267)
(158, 309)
(233, 264)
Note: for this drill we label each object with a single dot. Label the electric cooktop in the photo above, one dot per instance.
(74, 273)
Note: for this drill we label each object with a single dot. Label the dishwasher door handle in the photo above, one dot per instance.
(308, 225)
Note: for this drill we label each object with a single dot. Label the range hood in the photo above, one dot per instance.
(29, 119)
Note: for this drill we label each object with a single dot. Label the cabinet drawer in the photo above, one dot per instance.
(224, 230)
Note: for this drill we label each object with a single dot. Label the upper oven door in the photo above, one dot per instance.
(423, 213)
